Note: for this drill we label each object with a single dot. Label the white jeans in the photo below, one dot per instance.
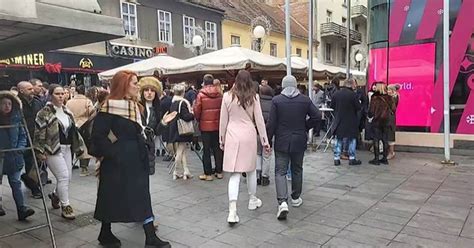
(61, 167)
(234, 182)
(181, 159)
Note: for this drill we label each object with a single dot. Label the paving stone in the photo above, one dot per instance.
(337, 242)
(432, 235)
(329, 221)
(184, 237)
(363, 237)
(306, 235)
(270, 226)
(436, 223)
(242, 240)
(377, 223)
(468, 228)
(419, 242)
(289, 241)
(215, 244)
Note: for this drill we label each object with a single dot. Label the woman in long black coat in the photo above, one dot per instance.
(118, 139)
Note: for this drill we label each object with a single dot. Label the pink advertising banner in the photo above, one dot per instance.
(412, 67)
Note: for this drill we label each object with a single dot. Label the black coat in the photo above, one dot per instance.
(185, 115)
(165, 107)
(289, 124)
(30, 110)
(266, 104)
(124, 189)
(346, 107)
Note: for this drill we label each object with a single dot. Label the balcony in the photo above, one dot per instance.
(336, 32)
(359, 13)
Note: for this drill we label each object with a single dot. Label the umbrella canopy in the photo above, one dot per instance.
(231, 58)
(319, 67)
(145, 67)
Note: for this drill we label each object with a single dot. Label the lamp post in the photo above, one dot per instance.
(259, 33)
(359, 57)
(197, 43)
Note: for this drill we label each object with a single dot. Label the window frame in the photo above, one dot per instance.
(211, 31)
(128, 16)
(329, 16)
(232, 36)
(275, 50)
(300, 54)
(326, 53)
(170, 41)
(193, 27)
(343, 57)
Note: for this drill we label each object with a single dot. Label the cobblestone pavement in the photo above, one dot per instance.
(413, 202)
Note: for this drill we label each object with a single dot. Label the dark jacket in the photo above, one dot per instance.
(151, 128)
(380, 109)
(289, 124)
(207, 108)
(124, 189)
(266, 104)
(346, 106)
(190, 95)
(165, 107)
(183, 114)
(13, 137)
(30, 110)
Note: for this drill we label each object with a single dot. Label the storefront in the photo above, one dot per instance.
(406, 47)
(57, 67)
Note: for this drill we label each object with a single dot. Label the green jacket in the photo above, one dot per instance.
(46, 138)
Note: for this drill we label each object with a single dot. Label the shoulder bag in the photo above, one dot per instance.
(184, 127)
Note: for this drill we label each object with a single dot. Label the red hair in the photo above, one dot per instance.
(120, 83)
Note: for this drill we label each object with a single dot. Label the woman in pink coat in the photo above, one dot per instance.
(241, 117)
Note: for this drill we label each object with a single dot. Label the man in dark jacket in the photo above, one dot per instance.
(289, 123)
(346, 106)
(31, 106)
(207, 109)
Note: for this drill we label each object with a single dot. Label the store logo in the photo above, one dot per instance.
(34, 59)
(470, 119)
(5, 61)
(131, 51)
(86, 63)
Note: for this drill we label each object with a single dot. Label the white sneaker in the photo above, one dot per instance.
(233, 218)
(254, 202)
(296, 203)
(282, 211)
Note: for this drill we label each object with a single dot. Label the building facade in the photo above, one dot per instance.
(406, 48)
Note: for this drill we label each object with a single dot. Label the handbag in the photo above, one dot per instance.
(184, 127)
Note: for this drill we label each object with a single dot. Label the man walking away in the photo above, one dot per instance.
(292, 115)
(31, 106)
(207, 112)
(346, 106)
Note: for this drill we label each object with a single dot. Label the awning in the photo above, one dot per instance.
(319, 67)
(146, 67)
(231, 58)
(43, 25)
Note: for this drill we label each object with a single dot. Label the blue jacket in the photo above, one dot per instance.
(289, 121)
(13, 137)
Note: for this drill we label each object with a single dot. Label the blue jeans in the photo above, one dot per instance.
(15, 184)
(351, 149)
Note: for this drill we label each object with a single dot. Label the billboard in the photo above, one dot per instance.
(413, 68)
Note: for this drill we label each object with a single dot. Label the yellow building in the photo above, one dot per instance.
(237, 27)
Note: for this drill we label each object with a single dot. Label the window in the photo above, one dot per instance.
(164, 27)
(234, 40)
(273, 49)
(188, 30)
(307, 54)
(129, 18)
(211, 35)
(344, 3)
(298, 52)
(328, 52)
(344, 22)
(356, 27)
(343, 55)
(328, 16)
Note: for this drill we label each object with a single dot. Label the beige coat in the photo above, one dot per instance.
(81, 107)
(238, 135)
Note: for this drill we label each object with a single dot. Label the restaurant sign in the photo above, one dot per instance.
(139, 52)
(34, 59)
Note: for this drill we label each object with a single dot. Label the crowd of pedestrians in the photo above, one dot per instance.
(118, 134)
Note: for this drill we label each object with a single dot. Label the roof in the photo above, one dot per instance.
(244, 11)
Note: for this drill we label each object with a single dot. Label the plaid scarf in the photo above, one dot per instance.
(127, 109)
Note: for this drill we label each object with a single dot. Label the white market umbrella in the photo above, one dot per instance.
(145, 67)
(231, 58)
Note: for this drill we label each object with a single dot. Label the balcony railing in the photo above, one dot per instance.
(334, 29)
(359, 10)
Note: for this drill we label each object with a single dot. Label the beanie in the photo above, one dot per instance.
(289, 81)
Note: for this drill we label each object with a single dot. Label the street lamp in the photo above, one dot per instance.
(259, 33)
(359, 57)
(197, 43)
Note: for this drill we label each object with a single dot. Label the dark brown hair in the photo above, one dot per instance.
(244, 89)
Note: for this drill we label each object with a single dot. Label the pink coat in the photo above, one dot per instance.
(238, 135)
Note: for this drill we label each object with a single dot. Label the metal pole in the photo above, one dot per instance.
(288, 37)
(310, 59)
(447, 151)
(348, 40)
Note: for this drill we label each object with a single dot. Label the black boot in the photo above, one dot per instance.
(107, 238)
(265, 181)
(25, 212)
(152, 241)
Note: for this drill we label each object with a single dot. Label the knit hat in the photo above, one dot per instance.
(150, 82)
(289, 81)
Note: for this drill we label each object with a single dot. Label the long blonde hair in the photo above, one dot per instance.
(381, 88)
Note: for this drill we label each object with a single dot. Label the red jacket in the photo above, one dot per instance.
(207, 108)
